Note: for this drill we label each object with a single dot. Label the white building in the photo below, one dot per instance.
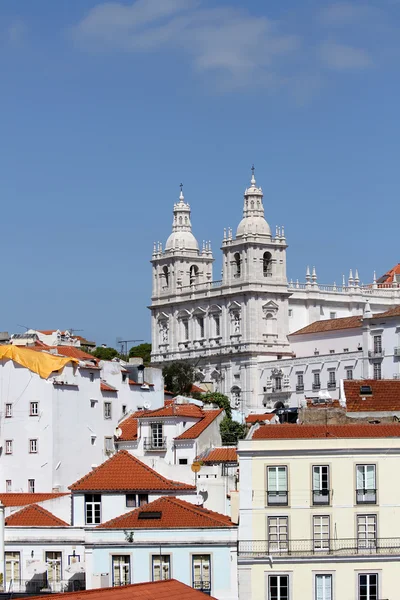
(59, 410)
(230, 326)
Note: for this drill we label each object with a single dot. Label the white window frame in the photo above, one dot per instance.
(318, 488)
(278, 533)
(327, 591)
(332, 376)
(108, 444)
(366, 484)
(34, 409)
(157, 435)
(13, 567)
(279, 595)
(278, 487)
(201, 572)
(377, 343)
(377, 370)
(31, 486)
(321, 533)
(368, 596)
(95, 505)
(9, 446)
(367, 531)
(121, 564)
(8, 485)
(33, 446)
(163, 563)
(349, 371)
(8, 410)
(217, 325)
(107, 410)
(54, 572)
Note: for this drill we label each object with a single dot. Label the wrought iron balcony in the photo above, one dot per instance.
(277, 498)
(300, 387)
(366, 496)
(41, 585)
(316, 386)
(321, 497)
(376, 353)
(155, 444)
(396, 351)
(331, 385)
(203, 586)
(261, 549)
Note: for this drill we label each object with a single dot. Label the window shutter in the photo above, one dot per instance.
(360, 477)
(272, 479)
(316, 478)
(370, 477)
(282, 479)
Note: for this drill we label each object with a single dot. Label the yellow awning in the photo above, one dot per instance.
(41, 363)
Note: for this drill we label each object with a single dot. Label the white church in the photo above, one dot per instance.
(235, 330)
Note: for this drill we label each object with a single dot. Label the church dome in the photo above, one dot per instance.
(182, 239)
(253, 222)
(182, 236)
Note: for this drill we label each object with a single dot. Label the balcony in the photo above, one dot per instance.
(261, 549)
(155, 445)
(331, 385)
(41, 585)
(396, 351)
(300, 387)
(277, 498)
(366, 496)
(316, 387)
(321, 497)
(376, 353)
(203, 586)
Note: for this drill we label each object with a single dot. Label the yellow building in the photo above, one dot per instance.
(320, 513)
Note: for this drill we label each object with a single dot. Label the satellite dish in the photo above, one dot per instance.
(118, 432)
(147, 405)
(199, 500)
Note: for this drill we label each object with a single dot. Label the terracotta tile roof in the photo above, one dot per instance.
(129, 427)
(385, 395)
(170, 589)
(389, 276)
(331, 325)
(392, 312)
(196, 388)
(34, 516)
(195, 430)
(74, 352)
(106, 387)
(21, 499)
(132, 382)
(287, 432)
(220, 455)
(257, 418)
(124, 472)
(175, 514)
(175, 410)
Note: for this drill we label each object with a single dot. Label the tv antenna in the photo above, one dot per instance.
(124, 345)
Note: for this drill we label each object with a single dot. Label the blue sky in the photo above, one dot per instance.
(107, 107)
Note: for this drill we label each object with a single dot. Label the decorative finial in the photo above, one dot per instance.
(351, 280)
(181, 196)
(253, 179)
(224, 233)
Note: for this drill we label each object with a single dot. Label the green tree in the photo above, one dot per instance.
(105, 353)
(231, 431)
(143, 351)
(219, 399)
(179, 377)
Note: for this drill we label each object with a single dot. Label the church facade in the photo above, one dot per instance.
(231, 327)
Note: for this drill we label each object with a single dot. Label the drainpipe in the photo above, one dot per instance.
(2, 544)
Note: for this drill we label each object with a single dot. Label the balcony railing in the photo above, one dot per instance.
(258, 549)
(277, 498)
(366, 496)
(396, 351)
(203, 586)
(376, 353)
(300, 387)
(155, 444)
(316, 386)
(42, 585)
(321, 497)
(331, 385)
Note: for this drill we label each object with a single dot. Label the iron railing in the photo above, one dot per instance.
(321, 497)
(203, 586)
(39, 585)
(364, 496)
(277, 498)
(155, 444)
(376, 353)
(329, 546)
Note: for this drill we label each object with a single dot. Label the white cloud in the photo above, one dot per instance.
(342, 57)
(232, 42)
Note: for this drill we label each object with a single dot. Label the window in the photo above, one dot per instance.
(366, 531)
(267, 264)
(320, 485)
(53, 559)
(321, 532)
(237, 264)
(121, 570)
(140, 374)
(135, 500)
(368, 586)
(201, 567)
(345, 349)
(377, 344)
(277, 493)
(278, 534)
(8, 485)
(377, 371)
(166, 275)
(331, 380)
(366, 484)
(124, 377)
(278, 587)
(331, 352)
(108, 445)
(200, 323)
(323, 587)
(33, 446)
(124, 409)
(92, 509)
(161, 567)
(300, 382)
(185, 328)
(349, 373)
(183, 461)
(157, 440)
(316, 352)
(332, 315)
(217, 325)
(107, 410)
(31, 486)
(9, 446)
(13, 569)
(316, 381)
(93, 440)
(8, 410)
(277, 384)
(91, 375)
(290, 312)
(34, 409)
(194, 274)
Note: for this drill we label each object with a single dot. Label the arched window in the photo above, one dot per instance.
(267, 264)
(194, 274)
(236, 396)
(166, 275)
(238, 267)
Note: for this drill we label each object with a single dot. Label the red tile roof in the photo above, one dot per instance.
(257, 418)
(21, 499)
(132, 382)
(170, 589)
(124, 472)
(175, 514)
(74, 352)
(129, 427)
(392, 312)
(385, 395)
(331, 325)
(34, 516)
(196, 388)
(175, 410)
(287, 432)
(195, 430)
(106, 387)
(389, 276)
(220, 455)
